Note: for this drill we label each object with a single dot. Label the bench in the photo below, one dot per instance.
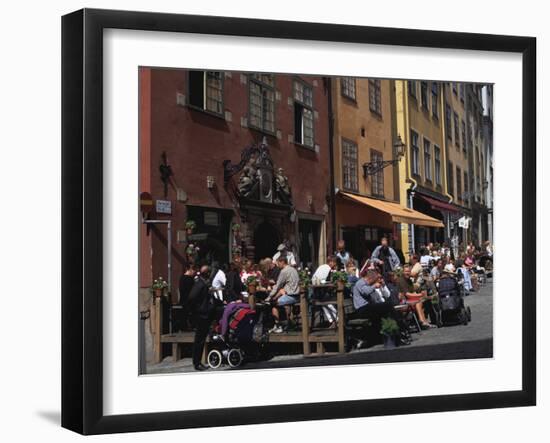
(306, 336)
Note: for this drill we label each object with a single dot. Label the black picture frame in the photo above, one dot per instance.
(82, 158)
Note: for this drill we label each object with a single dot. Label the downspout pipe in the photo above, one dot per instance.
(332, 192)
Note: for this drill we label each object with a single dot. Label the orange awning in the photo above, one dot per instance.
(398, 213)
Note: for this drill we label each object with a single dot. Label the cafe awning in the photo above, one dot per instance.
(398, 213)
(439, 205)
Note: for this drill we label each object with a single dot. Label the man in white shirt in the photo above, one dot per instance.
(284, 250)
(426, 258)
(218, 283)
(320, 277)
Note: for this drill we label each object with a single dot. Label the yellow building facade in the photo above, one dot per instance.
(363, 115)
(458, 153)
(368, 201)
(419, 121)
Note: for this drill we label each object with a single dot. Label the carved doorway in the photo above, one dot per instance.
(266, 240)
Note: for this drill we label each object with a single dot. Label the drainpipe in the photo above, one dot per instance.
(450, 198)
(414, 183)
(411, 205)
(331, 163)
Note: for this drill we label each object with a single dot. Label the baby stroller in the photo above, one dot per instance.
(451, 301)
(245, 340)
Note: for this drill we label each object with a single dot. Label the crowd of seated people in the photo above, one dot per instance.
(212, 293)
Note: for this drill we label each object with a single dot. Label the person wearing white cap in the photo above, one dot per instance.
(284, 250)
(448, 284)
(449, 268)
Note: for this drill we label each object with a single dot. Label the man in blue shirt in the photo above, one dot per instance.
(371, 297)
(372, 300)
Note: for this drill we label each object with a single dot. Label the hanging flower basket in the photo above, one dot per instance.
(158, 287)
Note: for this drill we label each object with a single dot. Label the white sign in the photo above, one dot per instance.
(163, 207)
(464, 222)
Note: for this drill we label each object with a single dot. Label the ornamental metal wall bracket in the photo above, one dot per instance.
(372, 168)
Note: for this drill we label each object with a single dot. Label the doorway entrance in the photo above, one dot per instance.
(266, 240)
(309, 232)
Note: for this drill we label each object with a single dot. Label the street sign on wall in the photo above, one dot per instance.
(163, 207)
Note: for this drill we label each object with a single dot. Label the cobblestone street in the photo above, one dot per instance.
(448, 343)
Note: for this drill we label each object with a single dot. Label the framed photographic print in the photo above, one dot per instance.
(269, 221)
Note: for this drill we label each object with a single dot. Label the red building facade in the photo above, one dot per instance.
(243, 156)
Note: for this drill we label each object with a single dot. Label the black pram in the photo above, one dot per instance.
(451, 301)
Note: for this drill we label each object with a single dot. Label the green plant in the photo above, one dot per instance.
(389, 326)
(235, 227)
(190, 224)
(305, 277)
(252, 280)
(340, 277)
(159, 283)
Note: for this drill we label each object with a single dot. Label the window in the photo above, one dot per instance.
(448, 128)
(427, 160)
(348, 87)
(262, 102)
(457, 130)
(377, 188)
(375, 100)
(424, 94)
(466, 196)
(459, 183)
(450, 179)
(303, 114)
(415, 154)
(435, 99)
(437, 161)
(349, 165)
(206, 91)
(412, 88)
(463, 135)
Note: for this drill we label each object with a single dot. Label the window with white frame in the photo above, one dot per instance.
(435, 99)
(377, 183)
(437, 164)
(424, 94)
(463, 123)
(349, 165)
(457, 130)
(411, 84)
(427, 160)
(450, 179)
(348, 87)
(206, 91)
(303, 114)
(459, 184)
(415, 154)
(261, 109)
(375, 96)
(448, 124)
